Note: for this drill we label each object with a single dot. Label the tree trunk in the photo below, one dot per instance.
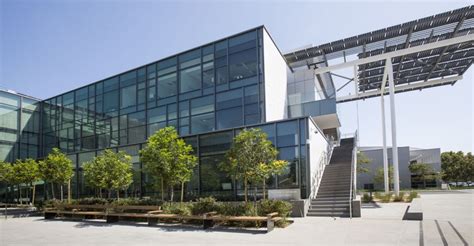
(263, 189)
(172, 193)
(52, 190)
(424, 183)
(110, 193)
(118, 195)
(61, 187)
(182, 192)
(100, 192)
(69, 191)
(33, 195)
(245, 189)
(162, 190)
(19, 192)
(255, 194)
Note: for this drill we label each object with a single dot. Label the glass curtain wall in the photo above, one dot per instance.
(213, 87)
(289, 136)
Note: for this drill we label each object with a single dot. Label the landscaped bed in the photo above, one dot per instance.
(204, 211)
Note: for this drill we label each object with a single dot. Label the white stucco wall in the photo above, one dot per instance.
(275, 81)
(318, 156)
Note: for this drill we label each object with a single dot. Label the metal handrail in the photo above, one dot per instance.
(353, 164)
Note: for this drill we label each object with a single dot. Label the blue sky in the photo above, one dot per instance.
(49, 47)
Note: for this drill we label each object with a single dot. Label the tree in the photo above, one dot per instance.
(57, 168)
(379, 176)
(252, 158)
(469, 163)
(168, 158)
(26, 172)
(269, 169)
(453, 165)
(362, 162)
(424, 171)
(109, 171)
(7, 175)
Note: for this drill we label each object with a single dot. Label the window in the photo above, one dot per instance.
(167, 66)
(129, 78)
(136, 134)
(111, 101)
(167, 85)
(221, 75)
(212, 178)
(190, 79)
(229, 99)
(190, 58)
(208, 74)
(243, 64)
(202, 123)
(251, 94)
(287, 133)
(289, 177)
(111, 84)
(184, 109)
(128, 96)
(229, 118)
(157, 115)
(81, 94)
(172, 111)
(152, 128)
(136, 119)
(242, 42)
(215, 143)
(202, 105)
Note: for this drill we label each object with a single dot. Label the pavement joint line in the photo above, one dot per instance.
(422, 242)
(459, 234)
(445, 243)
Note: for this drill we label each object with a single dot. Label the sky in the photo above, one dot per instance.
(50, 47)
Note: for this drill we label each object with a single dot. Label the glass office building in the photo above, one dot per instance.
(208, 94)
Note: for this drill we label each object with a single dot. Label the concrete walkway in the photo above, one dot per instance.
(381, 225)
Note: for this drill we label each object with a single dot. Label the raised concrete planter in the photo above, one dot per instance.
(300, 207)
(284, 194)
(356, 207)
(414, 210)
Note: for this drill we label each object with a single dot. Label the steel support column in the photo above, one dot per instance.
(391, 84)
(384, 132)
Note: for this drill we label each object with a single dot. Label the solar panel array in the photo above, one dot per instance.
(435, 63)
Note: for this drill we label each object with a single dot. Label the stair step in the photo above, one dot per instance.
(328, 210)
(318, 203)
(344, 214)
(335, 205)
(331, 199)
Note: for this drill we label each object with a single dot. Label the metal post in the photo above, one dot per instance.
(384, 150)
(391, 84)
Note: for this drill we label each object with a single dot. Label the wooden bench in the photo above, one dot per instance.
(270, 220)
(87, 211)
(109, 212)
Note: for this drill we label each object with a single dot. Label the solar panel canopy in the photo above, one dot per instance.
(421, 66)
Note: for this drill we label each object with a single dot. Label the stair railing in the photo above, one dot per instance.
(353, 173)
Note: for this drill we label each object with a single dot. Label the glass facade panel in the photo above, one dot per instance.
(287, 133)
(190, 79)
(229, 118)
(202, 105)
(128, 97)
(202, 123)
(243, 64)
(167, 85)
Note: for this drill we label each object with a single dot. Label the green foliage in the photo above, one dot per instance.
(362, 162)
(204, 205)
(110, 171)
(6, 173)
(387, 197)
(379, 176)
(378, 195)
(366, 198)
(411, 196)
(137, 202)
(26, 171)
(457, 166)
(252, 159)
(269, 206)
(56, 167)
(92, 201)
(424, 171)
(176, 208)
(399, 198)
(168, 159)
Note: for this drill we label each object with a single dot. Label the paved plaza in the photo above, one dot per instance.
(448, 220)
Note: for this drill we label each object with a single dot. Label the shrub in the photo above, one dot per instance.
(386, 197)
(204, 205)
(378, 195)
(93, 201)
(366, 198)
(269, 206)
(400, 197)
(136, 201)
(176, 208)
(237, 209)
(411, 196)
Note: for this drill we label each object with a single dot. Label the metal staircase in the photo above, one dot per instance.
(334, 193)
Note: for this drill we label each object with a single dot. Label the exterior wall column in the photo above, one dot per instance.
(391, 83)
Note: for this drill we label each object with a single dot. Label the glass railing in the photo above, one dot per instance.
(314, 108)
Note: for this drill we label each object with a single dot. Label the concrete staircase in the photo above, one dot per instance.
(333, 195)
